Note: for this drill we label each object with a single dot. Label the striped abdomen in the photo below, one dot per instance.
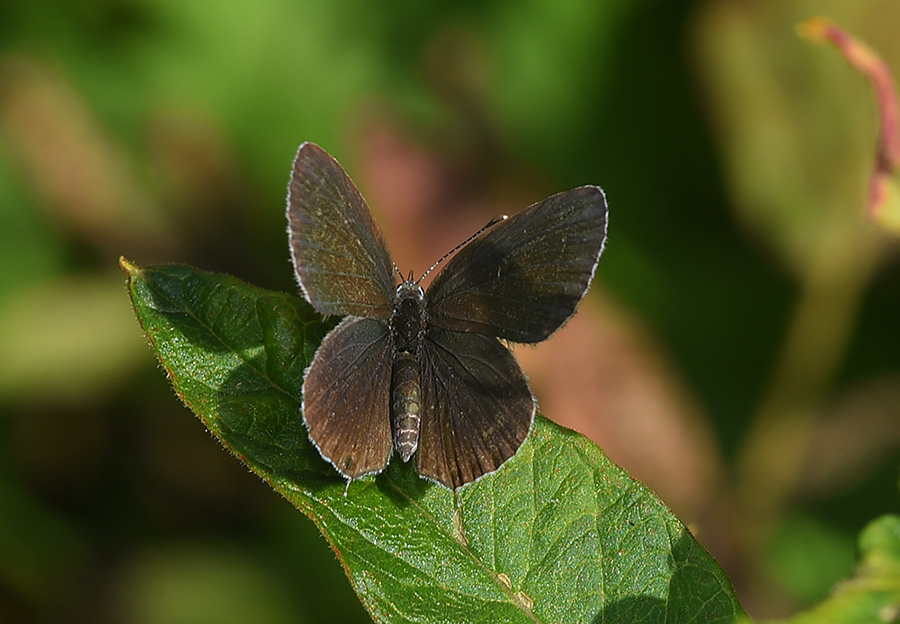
(406, 404)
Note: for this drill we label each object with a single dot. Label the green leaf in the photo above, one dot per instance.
(873, 594)
(559, 534)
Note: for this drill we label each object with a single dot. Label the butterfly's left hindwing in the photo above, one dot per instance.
(346, 397)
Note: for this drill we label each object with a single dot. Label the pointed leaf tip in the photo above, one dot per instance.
(127, 266)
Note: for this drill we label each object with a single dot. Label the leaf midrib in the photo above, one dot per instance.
(245, 361)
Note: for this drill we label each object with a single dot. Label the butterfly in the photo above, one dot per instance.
(425, 372)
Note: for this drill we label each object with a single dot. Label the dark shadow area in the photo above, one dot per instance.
(692, 595)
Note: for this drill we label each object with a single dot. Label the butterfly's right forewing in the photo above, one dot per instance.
(340, 256)
(522, 279)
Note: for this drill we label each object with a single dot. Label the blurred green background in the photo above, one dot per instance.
(739, 351)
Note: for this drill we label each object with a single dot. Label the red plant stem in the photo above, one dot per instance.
(868, 63)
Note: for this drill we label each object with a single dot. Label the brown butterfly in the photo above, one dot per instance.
(423, 372)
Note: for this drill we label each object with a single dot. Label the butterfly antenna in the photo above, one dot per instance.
(487, 226)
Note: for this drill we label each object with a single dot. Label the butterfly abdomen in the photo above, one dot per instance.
(406, 404)
(407, 330)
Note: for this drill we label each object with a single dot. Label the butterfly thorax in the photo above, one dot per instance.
(408, 317)
(407, 329)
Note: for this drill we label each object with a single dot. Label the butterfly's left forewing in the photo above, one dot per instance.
(342, 262)
(477, 408)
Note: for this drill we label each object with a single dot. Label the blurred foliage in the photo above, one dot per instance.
(870, 595)
(743, 281)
